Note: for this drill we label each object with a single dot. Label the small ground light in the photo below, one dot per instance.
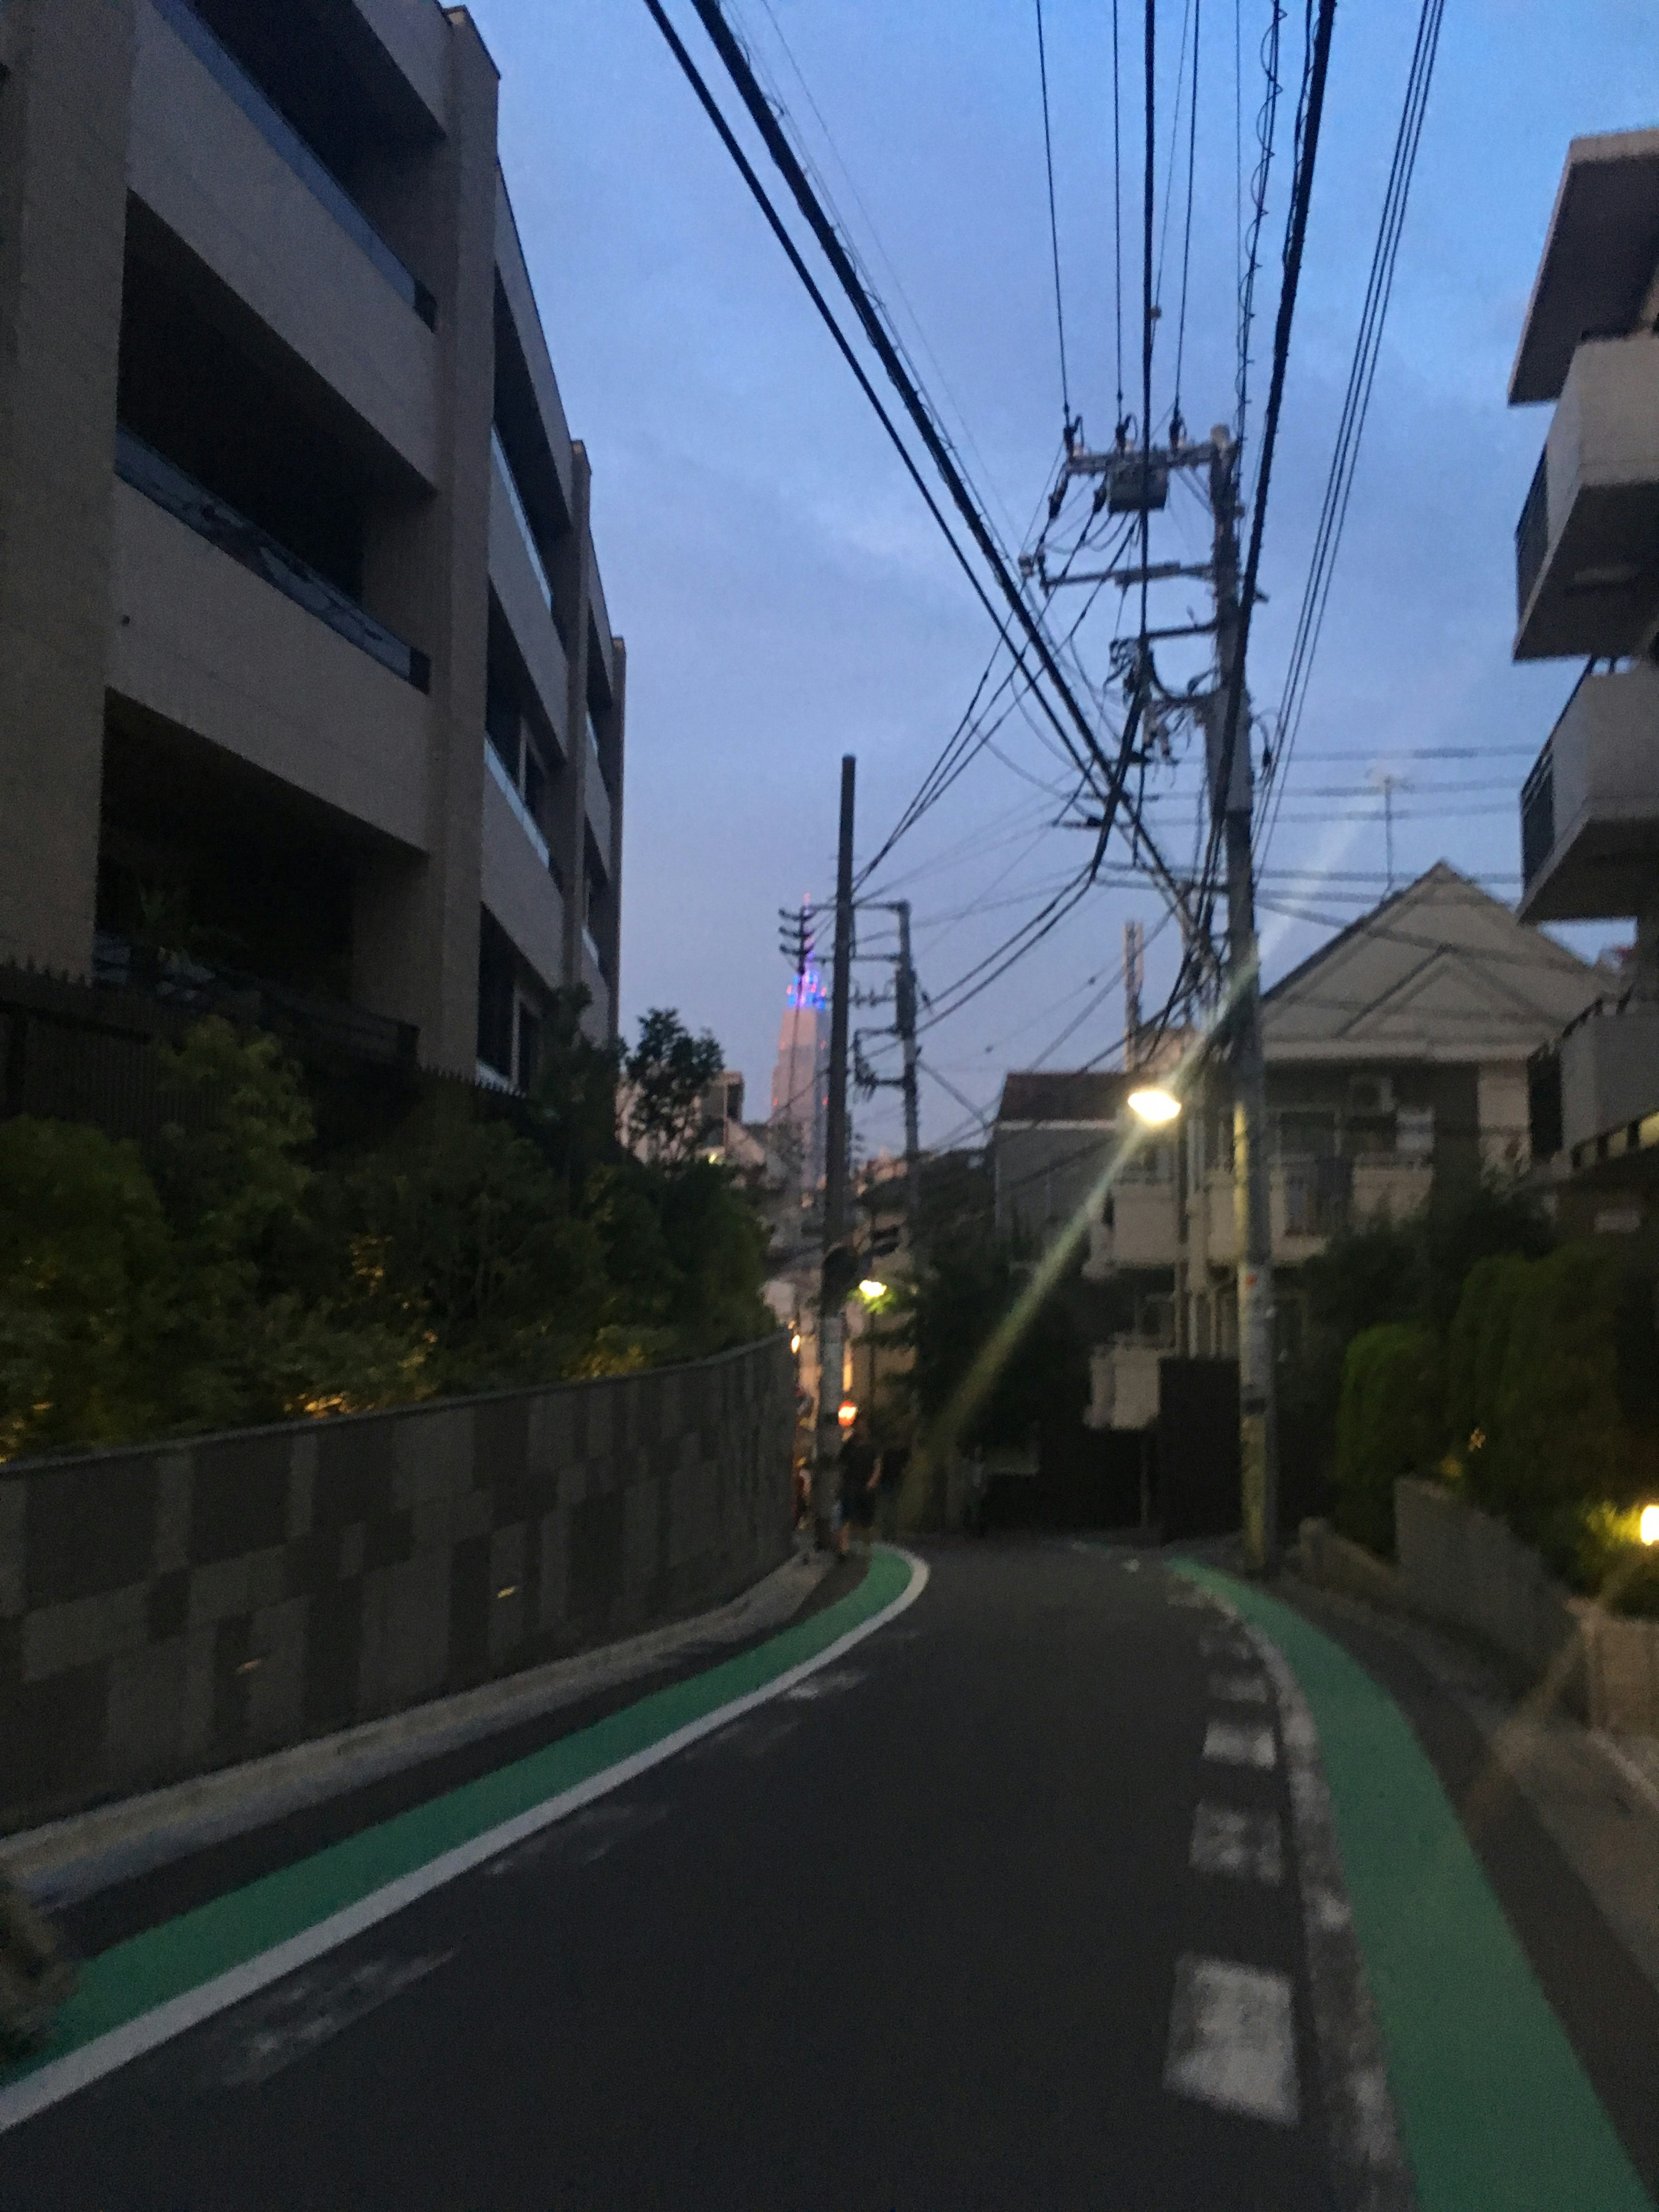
(1649, 1524)
(847, 1413)
(872, 1290)
(1154, 1105)
(795, 1341)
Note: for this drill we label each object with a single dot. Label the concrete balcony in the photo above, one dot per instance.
(1311, 1201)
(1144, 1231)
(598, 801)
(514, 882)
(1123, 1384)
(1587, 545)
(1609, 1074)
(207, 642)
(597, 1020)
(519, 579)
(1590, 809)
(223, 171)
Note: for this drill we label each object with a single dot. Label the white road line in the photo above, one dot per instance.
(1240, 1689)
(1229, 1840)
(1232, 2040)
(304, 2013)
(1241, 1743)
(61, 2077)
(1226, 1644)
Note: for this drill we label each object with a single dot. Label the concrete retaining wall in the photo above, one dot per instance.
(1460, 1566)
(168, 1610)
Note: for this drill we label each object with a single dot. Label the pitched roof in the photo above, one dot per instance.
(1037, 1094)
(1440, 971)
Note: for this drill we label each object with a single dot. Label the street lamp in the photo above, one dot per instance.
(870, 1290)
(1155, 1106)
(1649, 1524)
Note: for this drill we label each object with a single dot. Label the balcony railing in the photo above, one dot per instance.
(514, 798)
(1538, 815)
(192, 504)
(286, 143)
(521, 518)
(197, 986)
(1532, 536)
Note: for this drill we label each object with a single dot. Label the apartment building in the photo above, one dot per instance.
(305, 665)
(1587, 587)
(1399, 1052)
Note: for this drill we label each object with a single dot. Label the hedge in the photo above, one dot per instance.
(1388, 1424)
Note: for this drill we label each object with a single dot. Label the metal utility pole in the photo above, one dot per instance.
(904, 1003)
(1252, 1213)
(834, 1281)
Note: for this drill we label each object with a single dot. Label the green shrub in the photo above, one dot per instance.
(1388, 1425)
(87, 1281)
(1476, 1350)
(1559, 1441)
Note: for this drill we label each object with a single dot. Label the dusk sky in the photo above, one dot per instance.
(785, 597)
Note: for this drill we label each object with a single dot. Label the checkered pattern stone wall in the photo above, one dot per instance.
(168, 1610)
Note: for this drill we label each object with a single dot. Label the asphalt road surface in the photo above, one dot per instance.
(1000, 1909)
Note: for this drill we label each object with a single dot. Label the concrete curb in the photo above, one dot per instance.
(66, 1860)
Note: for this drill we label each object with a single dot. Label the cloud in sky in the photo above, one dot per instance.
(785, 598)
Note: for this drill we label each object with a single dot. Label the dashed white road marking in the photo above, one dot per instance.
(1232, 2040)
(307, 2012)
(582, 1840)
(1226, 1644)
(1227, 1839)
(1241, 1743)
(829, 1684)
(1240, 1689)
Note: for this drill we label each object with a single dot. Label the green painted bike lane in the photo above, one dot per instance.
(1496, 2112)
(130, 1979)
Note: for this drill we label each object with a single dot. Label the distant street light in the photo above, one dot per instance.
(847, 1412)
(1155, 1106)
(1649, 1524)
(870, 1290)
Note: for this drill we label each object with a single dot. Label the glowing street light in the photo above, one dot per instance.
(1154, 1106)
(1649, 1524)
(870, 1290)
(847, 1412)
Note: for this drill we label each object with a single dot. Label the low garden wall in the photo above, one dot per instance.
(173, 1608)
(1460, 1566)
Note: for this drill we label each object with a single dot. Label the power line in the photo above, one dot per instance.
(1187, 242)
(1054, 224)
(1356, 404)
(1117, 213)
(737, 66)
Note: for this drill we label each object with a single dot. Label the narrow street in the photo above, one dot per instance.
(1002, 1906)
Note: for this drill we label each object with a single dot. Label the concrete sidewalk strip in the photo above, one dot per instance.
(70, 1859)
(1495, 2111)
(159, 1984)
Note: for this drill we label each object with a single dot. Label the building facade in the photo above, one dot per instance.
(1587, 587)
(306, 667)
(1400, 1052)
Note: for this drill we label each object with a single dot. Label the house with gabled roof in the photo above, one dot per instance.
(1398, 1053)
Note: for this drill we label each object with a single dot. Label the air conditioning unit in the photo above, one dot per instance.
(1370, 1094)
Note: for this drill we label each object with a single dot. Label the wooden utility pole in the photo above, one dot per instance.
(905, 1007)
(1252, 1202)
(836, 1280)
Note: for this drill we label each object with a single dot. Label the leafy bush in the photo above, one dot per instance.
(1559, 1441)
(87, 1281)
(1476, 1351)
(1389, 1424)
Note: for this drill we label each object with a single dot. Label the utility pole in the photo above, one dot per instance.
(1252, 1213)
(1134, 953)
(904, 1002)
(834, 1281)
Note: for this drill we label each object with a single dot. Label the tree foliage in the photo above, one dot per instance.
(669, 1073)
(225, 1275)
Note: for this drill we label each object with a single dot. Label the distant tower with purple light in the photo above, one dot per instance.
(800, 1081)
